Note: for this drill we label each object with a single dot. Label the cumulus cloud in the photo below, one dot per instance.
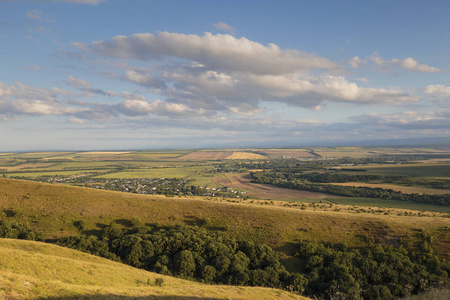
(408, 63)
(216, 90)
(218, 52)
(224, 73)
(78, 83)
(89, 91)
(355, 62)
(438, 90)
(224, 26)
(142, 107)
(144, 78)
(22, 99)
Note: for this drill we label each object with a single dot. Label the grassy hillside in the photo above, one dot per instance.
(53, 209)
(34, 270)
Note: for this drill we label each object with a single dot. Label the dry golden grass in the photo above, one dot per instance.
(400, 188)
(246, 155)
(33, 270)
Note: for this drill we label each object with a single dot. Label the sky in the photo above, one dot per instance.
(159, 74)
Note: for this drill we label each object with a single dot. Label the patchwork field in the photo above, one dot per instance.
(180, 172)
(25, 166)
(206, 155)
(431, 170)
(289, 153)
(221, 155)
(400, 188)
(246, 155)
(357, 152)
(264, 191)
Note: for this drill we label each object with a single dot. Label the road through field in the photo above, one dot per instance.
(241, 181)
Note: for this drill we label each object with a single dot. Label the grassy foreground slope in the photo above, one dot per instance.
(53, 209)
(34, 270)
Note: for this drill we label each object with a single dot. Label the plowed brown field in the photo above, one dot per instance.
(265, 191)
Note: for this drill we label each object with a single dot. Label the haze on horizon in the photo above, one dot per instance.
(106, 74)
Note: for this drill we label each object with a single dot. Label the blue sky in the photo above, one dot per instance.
(92, 74)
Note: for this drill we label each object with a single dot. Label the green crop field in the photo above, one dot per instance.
(437, 170)
(49, 173)
(157, 172)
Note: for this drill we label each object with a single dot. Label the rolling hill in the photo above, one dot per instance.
(35, 270)
(53, 209)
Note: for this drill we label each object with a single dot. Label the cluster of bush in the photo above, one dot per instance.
(296, 182)
(12, 230)
(190, 253)
(370, 272)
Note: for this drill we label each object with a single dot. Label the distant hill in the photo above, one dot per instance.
(32, 270)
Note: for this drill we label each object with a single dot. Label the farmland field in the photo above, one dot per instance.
(47, 173)
(245, 155)
(206, 155)
(433, 170)
(358, 152)
(400, 188)
(156, 173)
(289, 153)
(271, 192)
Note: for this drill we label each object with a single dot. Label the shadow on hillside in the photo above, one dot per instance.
(113, 296)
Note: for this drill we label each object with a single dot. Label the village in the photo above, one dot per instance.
(150, 186)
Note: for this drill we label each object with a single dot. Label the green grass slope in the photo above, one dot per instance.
(53, 209)
(34, 270)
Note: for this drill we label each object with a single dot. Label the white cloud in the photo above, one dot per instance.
(355, 62)
(411, 64)
(225, 90)
(408, 63)
(142, 107)
(224, 26)
(221, 73)
(144, 78)
(76, 121)
(219, 52)
(78, 83)
(438, 90)
(21, 99)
